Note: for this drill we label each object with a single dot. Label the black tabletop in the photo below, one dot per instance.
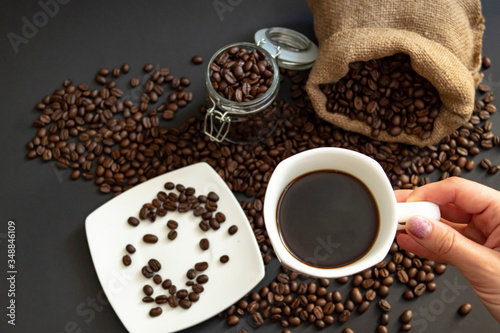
(55, 287)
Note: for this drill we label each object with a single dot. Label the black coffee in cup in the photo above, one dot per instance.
(327, 219)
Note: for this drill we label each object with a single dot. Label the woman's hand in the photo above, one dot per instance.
(467, 237)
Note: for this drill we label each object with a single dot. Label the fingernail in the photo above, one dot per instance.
(419, 227)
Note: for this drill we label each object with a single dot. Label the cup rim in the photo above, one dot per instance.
(270, 207)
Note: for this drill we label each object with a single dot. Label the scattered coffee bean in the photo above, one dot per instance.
(185, 303)
(384, 305)
(233, 320)
(133, 221)
(127, 260)
(406, 317)
(485, 62)
(191, 274)
(171, 224)
(465, 309)
(201, 266)
(172, 235)
(147, 272)
(232, 230)
(197, 60)
(154, 264)
(204, 244)
(148, 290)
(155, 312)
(224, 259)
(157, 279)
(202, 279)
(150, 238)
(130, 249)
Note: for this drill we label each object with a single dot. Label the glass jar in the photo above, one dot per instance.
(242, 122)
(250, 121)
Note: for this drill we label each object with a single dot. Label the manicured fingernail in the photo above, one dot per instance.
(418, 226)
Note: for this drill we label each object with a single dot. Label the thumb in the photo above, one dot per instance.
(436, 240)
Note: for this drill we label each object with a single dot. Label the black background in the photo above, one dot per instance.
(55, 271)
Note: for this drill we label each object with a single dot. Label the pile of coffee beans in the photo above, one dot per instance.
(180, 199)
(292, 299)
(241, 75)
(388, 95)
(99, 136)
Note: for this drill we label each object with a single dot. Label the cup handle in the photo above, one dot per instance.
(405, 210)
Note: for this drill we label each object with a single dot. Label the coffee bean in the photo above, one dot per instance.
(356, 295)
(232, 230)
(166, 284)
(191, 274)
(201, 266)
(172, 235)
(154, 264)
(130, 248)
(173, 301)
(382, 329)
(224, 259)
(406, 317)
(233, 320)
(185, 303)
(485, 62)
(157, 279)
(344, 316)
(148, 68)
(408, 295)
(148, 299)
(161, 299)
(465, 309)
(384, 305)
(147, 272)
(419, 289)
(405, 327)
(384, 319)
(150, 238)
(202, 279)
(182, 293)
(155, 312)
(197, 60)
(126, 260)
(363, 306)
(204, 244)
(148, 290)
(198, 288)
(440, 269)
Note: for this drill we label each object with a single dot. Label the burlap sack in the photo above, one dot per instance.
(442, 37)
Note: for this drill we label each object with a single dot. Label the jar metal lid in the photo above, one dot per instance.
(291, 49)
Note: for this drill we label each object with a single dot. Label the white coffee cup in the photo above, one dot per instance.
(392, 215)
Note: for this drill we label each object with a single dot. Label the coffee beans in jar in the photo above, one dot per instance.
(243, 83)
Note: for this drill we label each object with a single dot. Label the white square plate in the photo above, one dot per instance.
(108, 233)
